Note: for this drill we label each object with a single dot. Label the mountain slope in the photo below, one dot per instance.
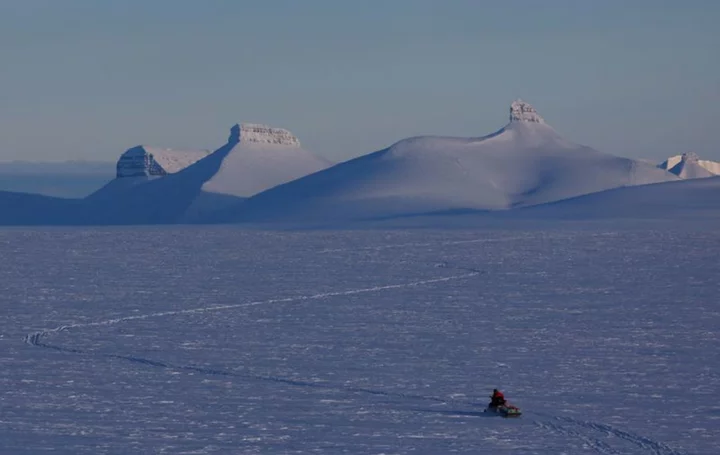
(259, 158)
(689, 167)
(254, 159)
(142, 160)
(524, 163)
(671, 164)
(24, 209)
(687, 199)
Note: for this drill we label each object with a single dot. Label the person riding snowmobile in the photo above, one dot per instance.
(497, 399)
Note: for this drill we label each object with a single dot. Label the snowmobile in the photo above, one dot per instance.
(504, 410)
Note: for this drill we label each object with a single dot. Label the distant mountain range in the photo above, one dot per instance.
(255, 158)
(144, 161)
(262, 175)
(73, 179)
(524, 163)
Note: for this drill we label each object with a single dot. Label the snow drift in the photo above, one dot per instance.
(524, 163)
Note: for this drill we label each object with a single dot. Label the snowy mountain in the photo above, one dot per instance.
(259, 157)
(142, 164)
(524, 163)
(142, 160)
(690, 166)
(255, 158)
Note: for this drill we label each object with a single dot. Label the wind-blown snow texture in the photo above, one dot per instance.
(525, 163)
(202, 341)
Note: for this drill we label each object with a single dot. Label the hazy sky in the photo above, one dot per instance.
(87, 79)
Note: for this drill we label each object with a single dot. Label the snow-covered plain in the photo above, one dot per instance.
(220, 340)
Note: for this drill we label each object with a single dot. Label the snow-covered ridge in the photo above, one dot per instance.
(257, 158)
(524, 163)
(690, 157)
(520, 111)
(689, 167)
(151, 161)
(262, 134)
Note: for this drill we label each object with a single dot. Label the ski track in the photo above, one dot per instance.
(583, 430)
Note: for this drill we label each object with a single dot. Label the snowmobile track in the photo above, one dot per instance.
(423, 244)
(35, 338)
(584, 430)
(596, 436)
(38, 339)
(595, 444)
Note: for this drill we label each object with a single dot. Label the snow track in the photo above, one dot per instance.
(38, 339)
(423, 244)
(35, 337)
(593, 443)
(599, 436)
(257, 377)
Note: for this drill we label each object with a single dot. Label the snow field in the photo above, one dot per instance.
(190, 340)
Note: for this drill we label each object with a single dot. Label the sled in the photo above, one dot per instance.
(505, 411)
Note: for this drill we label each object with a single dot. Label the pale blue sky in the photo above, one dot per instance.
(87, 79)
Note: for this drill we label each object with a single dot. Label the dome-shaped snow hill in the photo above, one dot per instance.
(524, 163)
